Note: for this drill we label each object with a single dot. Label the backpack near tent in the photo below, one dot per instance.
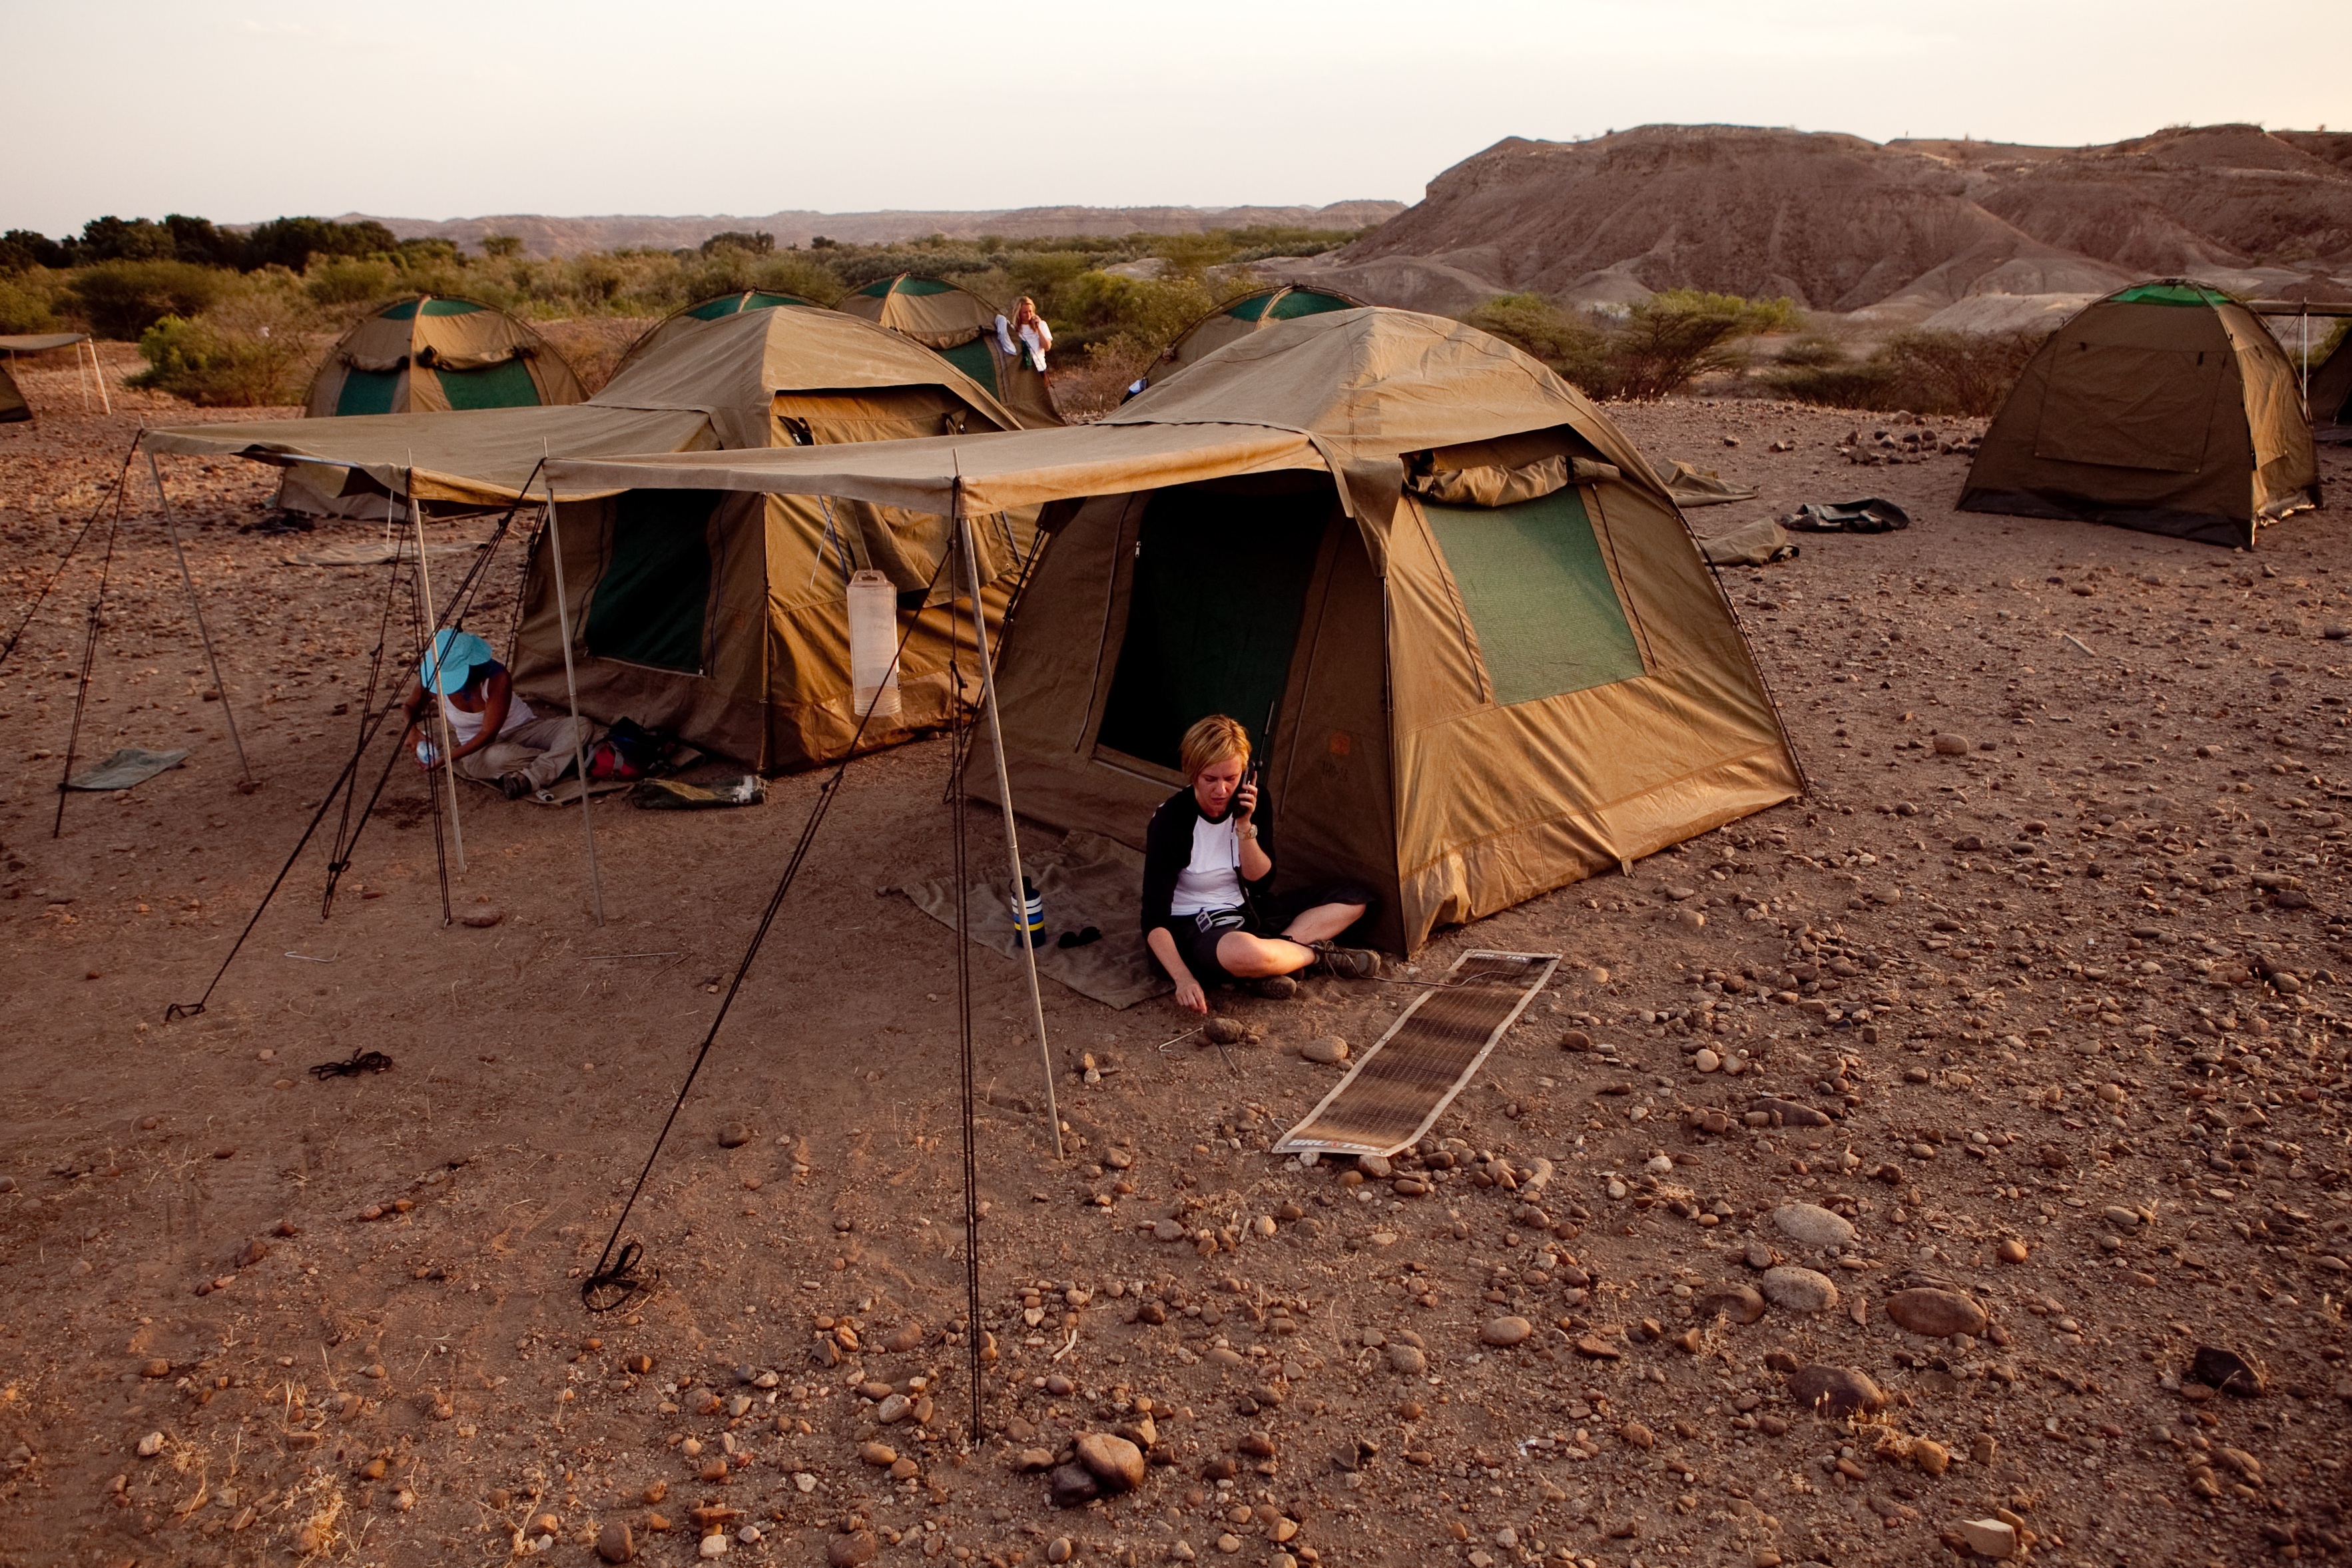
(960, 328)
(2167, 407)
(1495, 660)
(719, 619)
(1239, 318)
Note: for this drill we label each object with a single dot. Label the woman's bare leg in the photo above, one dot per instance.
(1248, 957)
(1324, 922)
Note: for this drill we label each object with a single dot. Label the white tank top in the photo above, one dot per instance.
(464, 725)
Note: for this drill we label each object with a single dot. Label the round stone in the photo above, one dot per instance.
(2013, 1250)
(1113, 1462)
(1938, 1314)
(1706, 1061)
(1835, 1392)
(1810, 1225)
(1798, 1290)
(1408, 1360)
(1505, 1332)
(1326, 1051)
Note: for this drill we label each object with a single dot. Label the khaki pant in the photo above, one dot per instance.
(542, 751)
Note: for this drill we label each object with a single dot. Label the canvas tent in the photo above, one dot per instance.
(1249, 313)
(2166, 407)
(960, 328)
(432, 353)
(1495, 660)
(719, 617)
(2331, 395)
(14, 408)
(710, 309)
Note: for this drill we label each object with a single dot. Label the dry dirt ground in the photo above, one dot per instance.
(2073, 987)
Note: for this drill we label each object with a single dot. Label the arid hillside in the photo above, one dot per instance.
(1840, 223)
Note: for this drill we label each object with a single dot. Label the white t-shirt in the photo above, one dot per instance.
(1213, 878)
(464, 725)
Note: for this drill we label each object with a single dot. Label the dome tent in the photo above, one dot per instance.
(1251, 313)
(2167, 407)
(722, 619)
(960, 328)
(710, 309)
(2331, 395)
(1496, 661)
(431, 352)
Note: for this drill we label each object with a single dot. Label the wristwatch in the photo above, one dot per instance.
(1247, 832)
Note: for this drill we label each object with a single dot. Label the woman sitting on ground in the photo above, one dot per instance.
(1208, 917)
(499, 739)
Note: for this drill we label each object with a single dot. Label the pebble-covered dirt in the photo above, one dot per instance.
(1953, 1160)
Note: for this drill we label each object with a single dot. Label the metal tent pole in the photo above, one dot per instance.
(196, 607)
(432, 635)
(963, 542)
(98, 374)
(572, 691)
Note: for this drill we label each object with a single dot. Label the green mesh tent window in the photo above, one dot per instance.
(1212, 615)
(730, 304)
(648, 607)
(367, 391)
(976, 360)
(1306, 302)
(1538, 596)
(2171, 294)
(504, 385)
(407, 309)
(917, 287)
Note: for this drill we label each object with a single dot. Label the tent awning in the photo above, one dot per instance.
(39, 343)
(998, 471)
(480, 458)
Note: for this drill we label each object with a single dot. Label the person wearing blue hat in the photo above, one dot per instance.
(496, 737)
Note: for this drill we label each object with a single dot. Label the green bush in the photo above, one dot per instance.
(28, 302)
(252, 350)
(350, 279)
(1926, 372)
(122, 300)
(1659, 346)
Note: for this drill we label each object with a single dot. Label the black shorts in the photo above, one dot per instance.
(1198, 948)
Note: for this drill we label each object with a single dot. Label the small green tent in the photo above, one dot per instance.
(2167, 407)
(1237, 319)
(431, 352)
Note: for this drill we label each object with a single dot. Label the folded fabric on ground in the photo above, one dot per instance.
(127, 766)
(1700, 486)
(1871, 516)
(1085, 879)
(374, 552)
(669, 795)
(1759, 543)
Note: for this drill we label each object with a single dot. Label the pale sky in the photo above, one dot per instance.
(245, 109)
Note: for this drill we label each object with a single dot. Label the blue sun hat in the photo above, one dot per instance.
(452, 662)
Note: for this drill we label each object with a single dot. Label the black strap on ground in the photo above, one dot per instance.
(88, 656)
(360, 1061)
(66, 560)
(959, 728)
(615, 1279)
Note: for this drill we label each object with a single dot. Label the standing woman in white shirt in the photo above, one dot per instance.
(1209, 916)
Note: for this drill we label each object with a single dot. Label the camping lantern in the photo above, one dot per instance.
(874, 644)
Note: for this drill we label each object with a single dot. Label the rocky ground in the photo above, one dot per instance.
(1865, 1185)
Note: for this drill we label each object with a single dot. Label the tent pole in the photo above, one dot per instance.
(98, 374)
(196, 607)
(963, 543)
(432, 632)
(572, 691)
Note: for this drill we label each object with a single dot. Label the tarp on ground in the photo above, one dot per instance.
(1473, 705)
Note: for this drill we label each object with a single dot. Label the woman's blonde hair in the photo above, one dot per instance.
(1213, 740)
